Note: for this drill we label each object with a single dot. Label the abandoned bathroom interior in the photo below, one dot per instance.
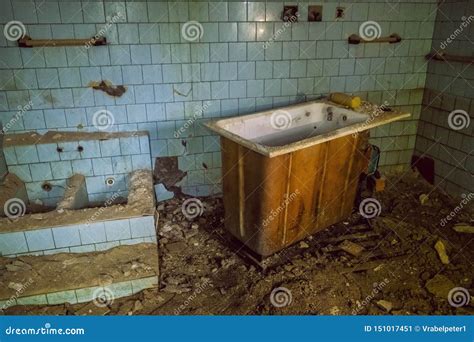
(241, 157)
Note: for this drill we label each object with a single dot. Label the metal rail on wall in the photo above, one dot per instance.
(392, 39)
(445, 57)
(27, 42)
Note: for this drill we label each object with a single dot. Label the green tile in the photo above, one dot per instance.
(144, 283)
(32, 300)
(62, 297)
(247, 32)
(218, 11)
(238, 11)
(228, 32)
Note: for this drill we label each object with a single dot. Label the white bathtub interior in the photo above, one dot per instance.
(285, 126)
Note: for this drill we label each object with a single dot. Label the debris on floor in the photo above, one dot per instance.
(399, 271)
(162, 194)
(464, 228)
(351, 248)
(441, 249)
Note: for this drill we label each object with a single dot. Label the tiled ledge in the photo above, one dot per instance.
(66, 277)
(80, 238)
(82, 295)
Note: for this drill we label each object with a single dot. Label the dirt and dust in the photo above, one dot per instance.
(396, 270)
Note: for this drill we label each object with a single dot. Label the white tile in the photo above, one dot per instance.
(39, 240)
(142, 226)
(13, 243)
(117, 230)
(92, 233)
(66, 236)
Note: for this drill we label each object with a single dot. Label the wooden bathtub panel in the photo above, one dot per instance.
(360, 165)
(230, 185)
(265, 185)
(304, 181)
(337, 164)
(271, 203)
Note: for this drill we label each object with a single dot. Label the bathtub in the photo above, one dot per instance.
(293, 171)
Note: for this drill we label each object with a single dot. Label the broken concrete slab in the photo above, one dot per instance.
(75, 194)
(75, 278)
(162, 194)
(352, 248)
(385, 305)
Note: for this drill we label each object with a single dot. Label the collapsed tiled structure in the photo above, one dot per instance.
(105, 199)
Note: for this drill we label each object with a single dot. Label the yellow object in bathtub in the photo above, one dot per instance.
(345, 100)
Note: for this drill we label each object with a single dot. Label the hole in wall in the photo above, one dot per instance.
(315, 13)
(340, 12)
(290, 13)
(46, 187)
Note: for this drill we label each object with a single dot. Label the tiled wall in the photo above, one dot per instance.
(450, 87)
(98, 161)
(97, 236)
(228, 71)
